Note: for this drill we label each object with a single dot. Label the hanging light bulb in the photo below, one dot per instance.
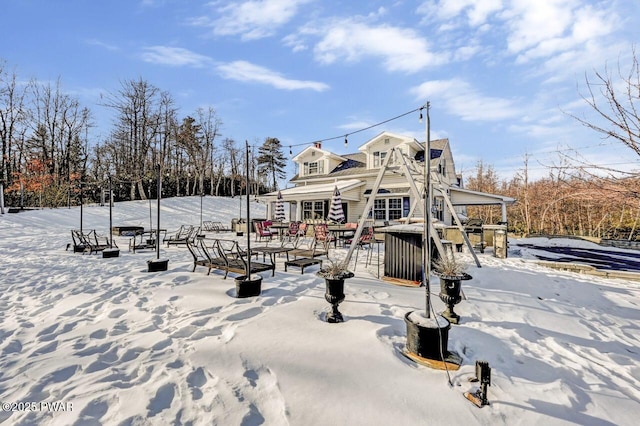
(421, 115)
(290, 152)
(346, 142)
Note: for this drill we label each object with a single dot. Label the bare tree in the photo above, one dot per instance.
(616, 102)
(210, 124)
(138, 123)
(614, 97)
(12, 125)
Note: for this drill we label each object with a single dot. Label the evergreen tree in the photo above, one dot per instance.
(271, 162)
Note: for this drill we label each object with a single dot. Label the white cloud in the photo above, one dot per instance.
(350, 40)
(95, 42)
(252, 19)
(248, 72)
(175, 56)
(544, 34)
(476, 12)
(462, 100)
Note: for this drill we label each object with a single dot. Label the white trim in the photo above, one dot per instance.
(466, 197)
(319, 191)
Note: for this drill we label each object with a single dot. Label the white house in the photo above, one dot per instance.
(321, 171)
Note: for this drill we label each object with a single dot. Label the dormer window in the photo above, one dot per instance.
(378, 158)
(313, 168)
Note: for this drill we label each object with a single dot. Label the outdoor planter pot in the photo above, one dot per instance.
(450, 286)
(334, 292)
(427, 340)
(248, 287)
(110, 252)
(157, 265)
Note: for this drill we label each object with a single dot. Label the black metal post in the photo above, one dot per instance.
(427, 216)
(158, 221)
(248, 274)
(150, 210)
(81, 203)
(110, 215)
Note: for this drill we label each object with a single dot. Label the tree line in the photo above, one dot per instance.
(48, 160)
(580, 197)
(565, 202)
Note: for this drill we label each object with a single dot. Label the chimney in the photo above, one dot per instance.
(317, 145)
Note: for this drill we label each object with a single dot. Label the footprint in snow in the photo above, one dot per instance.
(117, 313)
(196, 379)
(249, 313)
(162, 399)
(98, 334)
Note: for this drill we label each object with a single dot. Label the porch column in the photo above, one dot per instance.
(504, 212)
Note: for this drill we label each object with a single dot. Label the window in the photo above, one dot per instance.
(395, 208)
(378, 158)
(313, 168)
(380, 209)
(387, 208)
(313, 210)
(438, 208)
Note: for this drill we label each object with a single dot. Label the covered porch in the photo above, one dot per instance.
(463, 197)
(311, 201)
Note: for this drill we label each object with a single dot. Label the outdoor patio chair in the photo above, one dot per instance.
(77, 244)
(302, 229)
(292, 232)
(261, 231)
(311, 247)
(203, 255)
(236, 259)
(348, 235)
(219, 227)
(365, 240)
(180, 236)
(90, 242)
(322, 235)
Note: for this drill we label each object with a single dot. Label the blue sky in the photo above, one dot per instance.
(497, 73)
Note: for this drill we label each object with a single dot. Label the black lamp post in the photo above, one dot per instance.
(158, 264)
(150, 214)
(81, 203)
(111, 252)
(201, 197)
(248, 285)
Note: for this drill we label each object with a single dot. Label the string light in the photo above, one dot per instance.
(346, 142)
(359, 130)
(420, 115)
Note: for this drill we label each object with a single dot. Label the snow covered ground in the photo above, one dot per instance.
(113, 344)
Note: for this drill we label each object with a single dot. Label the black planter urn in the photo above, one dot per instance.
(334, 294)
(248, 287)
(450, 286)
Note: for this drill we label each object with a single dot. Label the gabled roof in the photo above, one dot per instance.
(321, 151)
(384, 135)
